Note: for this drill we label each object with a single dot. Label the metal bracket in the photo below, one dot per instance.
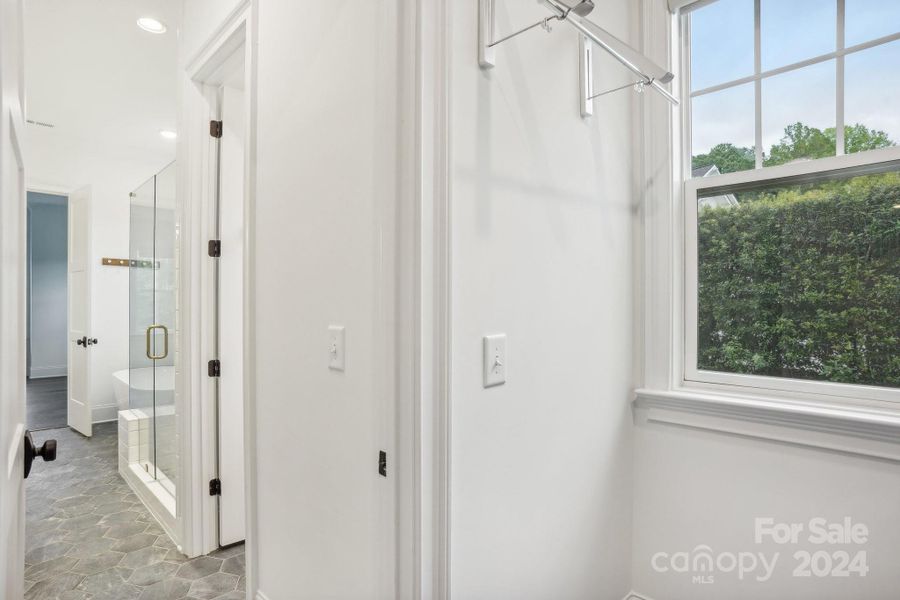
(485, 33)
(486, 26)
(586, 75)
(586, 78)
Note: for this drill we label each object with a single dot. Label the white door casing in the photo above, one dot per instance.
(79, 360)
(12, 301)
(231, 311)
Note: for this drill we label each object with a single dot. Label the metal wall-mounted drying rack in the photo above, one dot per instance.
(648, 72)
(129, 262)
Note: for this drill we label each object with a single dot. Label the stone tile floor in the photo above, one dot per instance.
(88, 537)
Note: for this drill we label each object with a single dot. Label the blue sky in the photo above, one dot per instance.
(792, 31)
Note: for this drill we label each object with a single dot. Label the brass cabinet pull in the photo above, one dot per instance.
(165, 331)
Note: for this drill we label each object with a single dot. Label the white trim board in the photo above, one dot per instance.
(196, 509)
(434, 310)
(865, 433)
(47, 372)
(156, 503)
(102, 414)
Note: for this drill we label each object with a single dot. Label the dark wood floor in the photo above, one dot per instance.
(45, 400)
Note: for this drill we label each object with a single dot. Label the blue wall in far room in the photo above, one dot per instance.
(47, 303)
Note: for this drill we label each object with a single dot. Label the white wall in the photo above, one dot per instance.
(47, 285)
(694, 488)
(200, 19)
(326, 173)
(325, 186)
(541, 237)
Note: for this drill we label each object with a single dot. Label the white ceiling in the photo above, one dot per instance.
(106, 85)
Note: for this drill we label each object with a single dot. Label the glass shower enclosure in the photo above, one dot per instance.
(152, 297)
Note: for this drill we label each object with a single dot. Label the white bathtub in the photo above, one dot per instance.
(139, 383)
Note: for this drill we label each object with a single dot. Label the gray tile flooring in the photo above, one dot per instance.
(45, 402)
(88, 537)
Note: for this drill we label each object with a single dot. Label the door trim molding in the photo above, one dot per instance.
(434, 138)
(197, 510)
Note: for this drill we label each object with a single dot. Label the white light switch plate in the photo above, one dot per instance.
(336, 347)
(494, 360)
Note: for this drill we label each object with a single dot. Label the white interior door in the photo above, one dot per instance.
(79, 362)
(231, 318)
(12, 302)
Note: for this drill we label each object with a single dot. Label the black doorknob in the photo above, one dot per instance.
(92, 342)
(47, 451)
(83, 341)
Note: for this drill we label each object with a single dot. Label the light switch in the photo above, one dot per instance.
(494, 360)
(336, 347)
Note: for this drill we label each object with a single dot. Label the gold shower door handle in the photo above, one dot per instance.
(165, 353)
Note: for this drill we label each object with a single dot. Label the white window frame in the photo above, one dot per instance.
(687, 190)
(758, 76)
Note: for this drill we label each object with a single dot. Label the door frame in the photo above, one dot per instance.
(67, 192)
(195, 391)
(422, 333)
(431, 283)
(54, 191)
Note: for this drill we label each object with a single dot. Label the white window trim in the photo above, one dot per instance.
(859, 426)
(758, 75)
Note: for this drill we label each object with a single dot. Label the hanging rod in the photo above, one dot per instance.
(638, 84)
(543, 23)
(650, 74)
(633, 60)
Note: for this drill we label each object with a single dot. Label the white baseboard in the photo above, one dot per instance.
(632, 595)
(44, 372)
(102, 414)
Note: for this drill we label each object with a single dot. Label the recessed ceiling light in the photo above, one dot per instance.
(168, 134)
(152, 25)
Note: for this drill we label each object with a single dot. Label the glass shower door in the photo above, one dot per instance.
(151, 326)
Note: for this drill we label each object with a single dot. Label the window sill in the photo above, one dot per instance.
(855, 431)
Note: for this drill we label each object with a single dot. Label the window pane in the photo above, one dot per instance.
(796, 30)
(721, 43)
(799, 114)
(872, 91)
(802, 281)
(867, 20)
(723, 131)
